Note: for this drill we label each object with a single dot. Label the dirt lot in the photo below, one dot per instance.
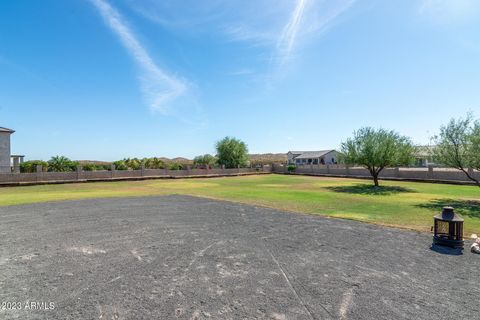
(184, 257)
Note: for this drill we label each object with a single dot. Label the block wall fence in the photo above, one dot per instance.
(40, 177)
(430, 174)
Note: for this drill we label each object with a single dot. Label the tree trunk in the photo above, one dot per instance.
(375, 179)
(374, 174)
(470, 177)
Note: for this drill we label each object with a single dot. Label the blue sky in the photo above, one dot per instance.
(107, 79)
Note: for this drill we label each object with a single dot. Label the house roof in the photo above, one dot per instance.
(313, 154)
(2, 129)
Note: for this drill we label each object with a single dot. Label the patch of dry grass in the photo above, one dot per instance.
(401, 204)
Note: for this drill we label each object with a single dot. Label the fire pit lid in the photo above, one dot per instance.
(448, 214)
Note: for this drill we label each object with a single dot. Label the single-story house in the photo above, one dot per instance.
(424, 156)
(312, 157)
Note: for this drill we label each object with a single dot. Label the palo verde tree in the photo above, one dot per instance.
(232, 152)
(376, 150)
(205, 160)
(458, 146)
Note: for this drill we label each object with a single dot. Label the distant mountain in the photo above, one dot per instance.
(268, 158)
(257, 158)
(95, 162)
(164, 159)
(182, 160)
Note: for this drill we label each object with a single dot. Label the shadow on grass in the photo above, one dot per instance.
(370, 189)
(467, 208)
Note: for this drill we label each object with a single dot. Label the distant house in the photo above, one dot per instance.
(312, 157)
(424, 156)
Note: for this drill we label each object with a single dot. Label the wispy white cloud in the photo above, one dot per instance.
(288, 36)
(276, 30)
(186, 16)
(246, 33)
(320, 23)
(449, 10)
(159, 88)
(307, 18)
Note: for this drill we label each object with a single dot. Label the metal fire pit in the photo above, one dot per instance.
(448, 229)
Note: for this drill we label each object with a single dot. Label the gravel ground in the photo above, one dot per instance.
(191, 258)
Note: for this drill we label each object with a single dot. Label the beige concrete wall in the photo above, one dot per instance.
(421, 174)
(81, 176)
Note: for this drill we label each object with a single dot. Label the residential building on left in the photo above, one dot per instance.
(7, 161)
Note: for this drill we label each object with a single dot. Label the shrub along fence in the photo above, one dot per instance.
(431, 174)
(41, 177)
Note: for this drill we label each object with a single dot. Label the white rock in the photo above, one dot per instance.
(475, 248)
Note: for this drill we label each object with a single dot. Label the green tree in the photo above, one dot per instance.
(89, 167)
(154, 163)
(134, 164)
(204, 160)
(176, 166)
(232, 152)
(458, 146)
(31, 166)
(376, 150)
(120, 165)
(61, 164)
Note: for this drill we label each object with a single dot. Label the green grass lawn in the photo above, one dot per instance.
(401, 204)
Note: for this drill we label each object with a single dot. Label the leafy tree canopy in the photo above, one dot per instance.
(61, 164)
(206, 160)
(376, 150)
(458, 146)
(232, 152)
(31, 166)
